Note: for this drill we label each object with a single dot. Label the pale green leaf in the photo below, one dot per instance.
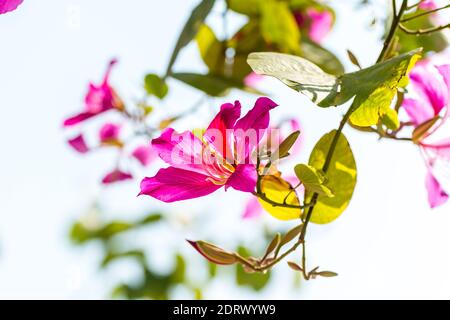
(156, 86)
(312, 179)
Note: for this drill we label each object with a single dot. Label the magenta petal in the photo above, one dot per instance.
(320, 25)
(109, 132)
(250, 128)
(428, 83)
(9, 5)
(144, 154)
(418, 111)
(436, 195)
(79, 144)
(428, 5)
(253, 209)
(173, 184)
(243, 178)
(116, 176)
(180, 150)
(78, 118)
(441, 149)
(218, 133)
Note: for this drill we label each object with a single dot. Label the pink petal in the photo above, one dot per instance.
(444, 70)
(78, 118)
(116, 176)
(320, 25)
(243, 178)
(109, 132)
(218, 133)
(183, 151)
(429, 84)
(250, 128)
(253, 209)
(102, 97)
(428, 5)
(173, 184)
(418, 111)
(9, 5)
(79, 144)
(144, 154)
(436, 195)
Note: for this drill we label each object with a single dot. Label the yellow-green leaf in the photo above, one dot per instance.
(277, 189)
(341, 178)
(313, 179)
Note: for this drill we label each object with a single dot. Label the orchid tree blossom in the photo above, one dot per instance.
(431, 86)
(9, 5)
(99, 98)
(222, 157)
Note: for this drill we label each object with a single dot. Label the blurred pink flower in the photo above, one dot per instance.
(431, 86)
(428, 5)
(115, 176)
(79, 144)
(144, 154)
(222, 158)
(100, 98)
(253, 79)
(9, 5)
(318, 23)
(109, 133)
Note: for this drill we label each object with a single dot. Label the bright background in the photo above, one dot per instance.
(388, 244)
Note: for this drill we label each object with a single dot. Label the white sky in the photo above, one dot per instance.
(388, 244)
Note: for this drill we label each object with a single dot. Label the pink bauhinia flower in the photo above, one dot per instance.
(431, 86)
(318, 23)
(9, 5)
(221, 157)
(100, 98)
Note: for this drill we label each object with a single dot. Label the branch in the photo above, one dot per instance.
(395, 23)
(423, 31)
(424, 13)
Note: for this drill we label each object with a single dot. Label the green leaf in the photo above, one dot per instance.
(178, 274)
(151, 218)
(353, 59)
(322, 57)
(190, 29)
(211, 49)
(285, 146)
(373, 88)
(213, 85)
(390, 119)
(341, 178)
(113, 256)
(247, 7)
(156, 86)
(295, 72)
(313, 179)
(278, 26)
(257, 281)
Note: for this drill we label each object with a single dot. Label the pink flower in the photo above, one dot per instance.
(223, 157)
(109, 133)
(428, 5)
(431, 85)
(144, 154)
(100, 98)
(79, 144)
(9, 5)
(252, 79)
(115, 176)
(318, 23)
